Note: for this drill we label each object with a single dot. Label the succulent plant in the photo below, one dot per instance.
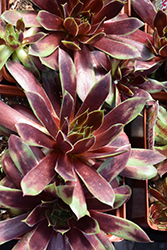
(47, 220)
(157, 21)
(15, 40)
(158, 208)
(80, 27)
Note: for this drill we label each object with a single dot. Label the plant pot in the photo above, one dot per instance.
(8, 90)
(137, 208)
(161, 96)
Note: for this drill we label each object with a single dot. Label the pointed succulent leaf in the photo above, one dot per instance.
(23, 242)
(13, 198)
(5, 53)
(51, 6)
(64, 167)
(120, 227)
(17, 228)
(21, 155)
(71, 26)
(35, 216)
(78, 204)
(67, 109)
(47, 45)
(67, 73)
(83, 145)
(87, 225)
(122, 27)
(84, 28)
(41, 110)
(163, 51)
(114, 165)
(96, 95)
(110, 9)
(105, 241)
(50, 21)
(72, 44)
(76, 239)
(27, 61)
(162, 167)
(139, 172)
(65, 192)
(33, 136)
(12, 117)
(63, 143)
(11, 171)
(117, 49)
(155, 193)
(105, 152)
(41, 229)
(123, 113)
(144, 157)
(33, 38)
(36, 180)
(28, 16)
(145, 10)
(161, 129)
(94, 120)
(160, 21)
(28, 82)
(82, 59)
(122, 194)
(96, 184)
(79, 121)
(95, 242)
(152, 85)
(108, 136)
(93, 39)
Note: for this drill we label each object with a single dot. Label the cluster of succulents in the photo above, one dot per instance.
(83, 68)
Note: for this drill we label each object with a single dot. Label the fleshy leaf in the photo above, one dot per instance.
(64, 167)
(122, 27)
(21, 154)
(83, 145)
(146, 11)
(50, 21)
(76, 239)
(5, 53)
(108, 136)
(114, 165)
(144, 157)
(67, 73)
(78, 204)
(96, 184)
(13, 198)
(36, 240)
(139, 172)
(117, 49)
(17, 228)
(41, 110)
(47, 45)
(82, 59)
(123, 113)
(28, 16)
(31, 135)
(96, 95)
(40, 176)
(120, 227)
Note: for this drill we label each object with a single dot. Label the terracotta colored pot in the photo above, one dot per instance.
(161, 96)
(11, 90)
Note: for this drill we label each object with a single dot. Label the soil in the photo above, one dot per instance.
(20, 5)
